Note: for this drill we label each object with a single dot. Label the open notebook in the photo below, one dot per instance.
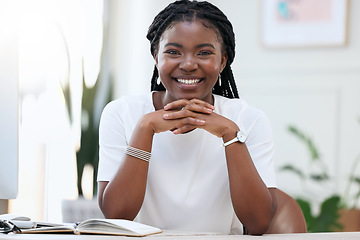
(90, 226)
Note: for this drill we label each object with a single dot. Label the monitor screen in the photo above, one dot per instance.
(9, 117)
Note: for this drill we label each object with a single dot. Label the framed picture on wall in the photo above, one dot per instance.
(303, 23)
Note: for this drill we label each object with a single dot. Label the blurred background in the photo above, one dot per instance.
(296, 60)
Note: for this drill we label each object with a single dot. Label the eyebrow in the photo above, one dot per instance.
(197, 46)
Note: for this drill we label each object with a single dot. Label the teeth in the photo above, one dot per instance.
(188, 81)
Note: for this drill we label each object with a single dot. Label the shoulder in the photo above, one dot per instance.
(131, 103)
(236, 107)
(123, 113)
(250, 119)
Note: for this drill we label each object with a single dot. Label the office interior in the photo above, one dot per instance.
(309, 89)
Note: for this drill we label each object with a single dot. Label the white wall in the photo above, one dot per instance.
(315, 89)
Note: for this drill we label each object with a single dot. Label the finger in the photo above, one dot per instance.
(183, 102)
(188, 121)
(198, 108)
(183, 113)
(184, 129)
(191, 125)
(202, 103)
(176, 104)
(189, 106)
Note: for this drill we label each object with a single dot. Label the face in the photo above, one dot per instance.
(189, 60)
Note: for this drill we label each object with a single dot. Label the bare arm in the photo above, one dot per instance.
(123, 196)
(253, 202)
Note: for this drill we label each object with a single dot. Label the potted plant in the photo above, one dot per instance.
(337, 212)
(350, 213)
(327, 219)
(88, 153)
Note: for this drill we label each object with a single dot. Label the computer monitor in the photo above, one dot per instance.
(9, 117)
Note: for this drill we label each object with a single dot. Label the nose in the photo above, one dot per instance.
(188, 64)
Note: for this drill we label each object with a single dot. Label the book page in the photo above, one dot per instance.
(116, 226)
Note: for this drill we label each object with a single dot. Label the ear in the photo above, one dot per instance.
(224, 59)
(156, 58)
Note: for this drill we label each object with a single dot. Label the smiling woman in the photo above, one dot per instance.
(189, 155)
(189, 60)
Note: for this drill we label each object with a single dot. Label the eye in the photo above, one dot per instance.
(204, 53)
(172, 52)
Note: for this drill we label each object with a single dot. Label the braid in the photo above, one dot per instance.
(185, 10)
(154, 85)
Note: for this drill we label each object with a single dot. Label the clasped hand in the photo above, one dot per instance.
(182, 116)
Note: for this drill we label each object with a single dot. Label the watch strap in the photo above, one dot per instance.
(231, 141)
(240, 137)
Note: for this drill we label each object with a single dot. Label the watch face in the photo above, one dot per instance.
(241, 136)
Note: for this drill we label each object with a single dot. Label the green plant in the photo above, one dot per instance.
(314, 157)
(352, 201)
(327, 218)
(348, 200)
(89, 142)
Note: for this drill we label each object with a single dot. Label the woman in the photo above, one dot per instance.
(190, 155)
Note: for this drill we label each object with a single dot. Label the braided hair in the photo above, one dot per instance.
(186, 10)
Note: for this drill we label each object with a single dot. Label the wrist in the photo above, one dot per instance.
(142, 136)
(230, 134)
(145, 126)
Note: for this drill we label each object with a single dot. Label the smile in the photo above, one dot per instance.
(188, 81)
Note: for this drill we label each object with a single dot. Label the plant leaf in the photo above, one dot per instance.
(293, 169)
(312, 149)
(306, 209)
(327, 220)
(309, 143)
(355, 179)
(320, 177)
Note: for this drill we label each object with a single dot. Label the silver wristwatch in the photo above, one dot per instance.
(240, 136)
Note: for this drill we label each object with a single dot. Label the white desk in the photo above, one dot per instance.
(183, 236)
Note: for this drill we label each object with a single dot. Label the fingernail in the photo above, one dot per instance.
(201, 121)
(209, 110)
(166, 116)
(176, 131)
